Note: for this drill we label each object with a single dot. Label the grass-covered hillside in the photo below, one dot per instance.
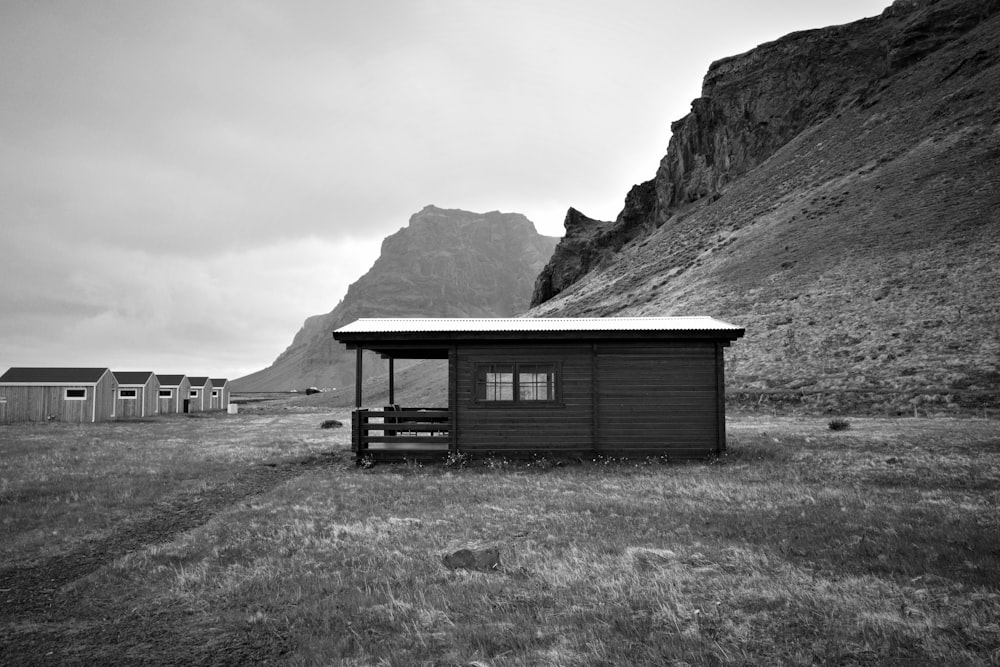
(863, 254)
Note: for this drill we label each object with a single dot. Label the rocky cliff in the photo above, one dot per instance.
(834, 191)
(753, 104)
(445, 263)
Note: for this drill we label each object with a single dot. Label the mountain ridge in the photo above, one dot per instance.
(852, 227)
(444, 263)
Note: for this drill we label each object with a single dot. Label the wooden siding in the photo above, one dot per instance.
(564, 427)
(38, 403)
(203, 401)
(656, 399)
(221, 398)
(623, 399)
(145, 404)
(174, 404)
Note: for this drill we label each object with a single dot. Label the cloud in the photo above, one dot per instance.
(226, 314)
(184, 182)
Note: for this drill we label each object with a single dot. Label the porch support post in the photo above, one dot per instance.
(720, 399)
(392, 381)
(453, 398)
(357, 381)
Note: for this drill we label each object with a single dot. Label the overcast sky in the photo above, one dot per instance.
(183, 182)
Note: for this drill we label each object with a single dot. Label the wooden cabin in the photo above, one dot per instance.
(632, 387)
(200, 394)
(220, 394)
(138, 394)
(62, 394)
(173, 393)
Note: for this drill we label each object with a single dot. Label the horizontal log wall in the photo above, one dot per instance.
(658, 399)
(517, 429)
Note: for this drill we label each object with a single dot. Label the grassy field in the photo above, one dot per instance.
(254, 538)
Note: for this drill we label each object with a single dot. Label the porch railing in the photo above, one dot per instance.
(400, 430)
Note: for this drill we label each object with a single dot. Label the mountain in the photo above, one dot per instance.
(835, 192)
(445, 263)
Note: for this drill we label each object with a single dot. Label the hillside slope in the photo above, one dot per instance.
(445, 263)
(836, 193)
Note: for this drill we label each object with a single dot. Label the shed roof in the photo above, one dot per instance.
(22, 375)
(219, 382)
(198, 381)
(170, 380)
(133, 377)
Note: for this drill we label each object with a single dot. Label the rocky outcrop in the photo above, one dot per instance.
(755, 103)
(445, 263)
(856, 237)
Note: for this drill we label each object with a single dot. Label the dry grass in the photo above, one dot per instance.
(804, 545)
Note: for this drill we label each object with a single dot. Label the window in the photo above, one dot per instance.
(75, 394)
(166, 393)
(127, 393)
(215, 393)
(193, 393)
(516, 383)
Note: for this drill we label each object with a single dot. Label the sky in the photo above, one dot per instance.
(182, 183)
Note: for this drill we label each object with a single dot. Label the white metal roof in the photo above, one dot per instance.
(532, 324)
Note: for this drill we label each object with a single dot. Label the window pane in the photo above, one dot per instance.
(495, 382)
(536, 382)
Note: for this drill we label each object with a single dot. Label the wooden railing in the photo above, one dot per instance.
(400, 430)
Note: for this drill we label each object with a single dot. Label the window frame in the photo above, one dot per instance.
(67, 397)
(166, 393)
(124, 397)
(554, 368)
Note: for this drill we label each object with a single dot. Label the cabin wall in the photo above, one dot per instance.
(658, 399)
(41, 403)
(633, 399)
(564, 428)
(220, 401)
(105, 393)
(174, 404)
(145, 404)
(127, 408)
(203, 401)
(151, 397)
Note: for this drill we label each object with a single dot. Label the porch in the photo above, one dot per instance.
(394, 432)
(397, 432)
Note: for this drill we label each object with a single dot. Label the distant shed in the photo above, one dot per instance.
(65, 394)
(220, 393)
(619, 386)
(173, 393)
(200, 394)
(138, 394)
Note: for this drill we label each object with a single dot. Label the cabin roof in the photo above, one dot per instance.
(198, 381)
(535, 325)
(22, 375)
(133, 377)
(429, 338)
(170, 380)
(219, 382)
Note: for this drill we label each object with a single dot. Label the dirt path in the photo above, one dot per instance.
(32, 596)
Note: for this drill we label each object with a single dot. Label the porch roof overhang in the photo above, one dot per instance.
(430, 338)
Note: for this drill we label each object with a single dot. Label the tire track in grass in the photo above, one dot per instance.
(26, 590)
